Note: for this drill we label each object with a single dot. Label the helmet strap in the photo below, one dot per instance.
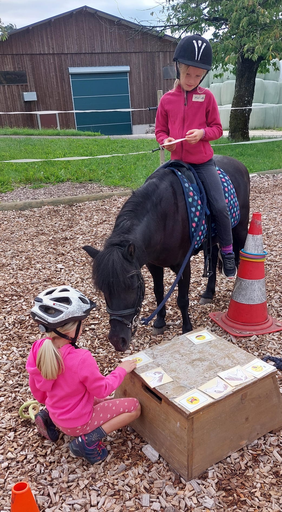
(177, 70)
(69, 338)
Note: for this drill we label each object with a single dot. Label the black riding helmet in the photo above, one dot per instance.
(194, 51)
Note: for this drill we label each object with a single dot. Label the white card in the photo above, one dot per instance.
(193, 399)
(200, 337)
(236, 376)
(156, 377)
(216, 388)
(258, 368)
(140, 357)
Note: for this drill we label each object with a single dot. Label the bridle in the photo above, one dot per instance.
(133, 312)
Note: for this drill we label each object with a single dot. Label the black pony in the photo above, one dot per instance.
(152, 229)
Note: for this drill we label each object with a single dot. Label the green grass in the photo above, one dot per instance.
(50, 132)
(126, 171)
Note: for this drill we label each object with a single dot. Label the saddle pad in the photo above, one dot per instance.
(193, 200)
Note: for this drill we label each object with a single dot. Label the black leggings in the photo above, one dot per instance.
(209, 177)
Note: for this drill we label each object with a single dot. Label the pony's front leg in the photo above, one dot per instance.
(158, 278)
(183, 298)
(207, 295)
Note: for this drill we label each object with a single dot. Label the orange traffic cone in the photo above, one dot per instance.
(247, 313)
(23, 499)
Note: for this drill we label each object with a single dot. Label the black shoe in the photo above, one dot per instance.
(228, 264)
(45, 426)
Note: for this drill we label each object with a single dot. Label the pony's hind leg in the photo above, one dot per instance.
(157, 273)
(239, 238)
(208, 294)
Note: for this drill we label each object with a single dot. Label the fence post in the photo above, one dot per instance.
(162, 155)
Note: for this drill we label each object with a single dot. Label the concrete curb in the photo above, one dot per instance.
(69, 200)
(56, 201)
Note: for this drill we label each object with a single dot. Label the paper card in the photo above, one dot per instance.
(216, 388)
(173, 142)
(200, 337)
(140, 357)
(156, 377)
(236, 376)
(258, 368)
(193, 400)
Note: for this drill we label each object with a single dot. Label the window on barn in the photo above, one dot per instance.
(13, 78)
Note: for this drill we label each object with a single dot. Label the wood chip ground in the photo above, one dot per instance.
(43, 247)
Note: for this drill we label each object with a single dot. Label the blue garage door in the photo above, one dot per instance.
(101, 88)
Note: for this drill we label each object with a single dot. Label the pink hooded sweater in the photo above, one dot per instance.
(69, 398)
(180, 111)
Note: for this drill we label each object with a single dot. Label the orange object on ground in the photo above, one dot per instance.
(23, 499)
(247, 313)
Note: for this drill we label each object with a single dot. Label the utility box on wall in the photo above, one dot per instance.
(29, 96)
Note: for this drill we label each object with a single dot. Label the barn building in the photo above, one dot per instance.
(84, 60)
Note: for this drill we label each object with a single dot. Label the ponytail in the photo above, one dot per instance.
(49, 360)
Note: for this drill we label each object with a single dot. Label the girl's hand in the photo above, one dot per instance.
(193, 136)
(168, 144)
(129, 365)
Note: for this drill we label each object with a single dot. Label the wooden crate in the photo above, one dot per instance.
(191, 442)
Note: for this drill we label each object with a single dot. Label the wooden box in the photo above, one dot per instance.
(191, 442)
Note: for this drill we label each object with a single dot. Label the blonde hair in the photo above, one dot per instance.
(183, 67)
(49, 360)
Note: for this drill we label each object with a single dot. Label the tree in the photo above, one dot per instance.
(5, 29)
(246, 34)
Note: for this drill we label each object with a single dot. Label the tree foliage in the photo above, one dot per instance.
(5, 29)
(246, 34)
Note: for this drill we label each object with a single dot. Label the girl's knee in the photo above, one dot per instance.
(138, 411)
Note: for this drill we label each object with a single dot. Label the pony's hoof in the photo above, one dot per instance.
(205, 300)
(157, 331)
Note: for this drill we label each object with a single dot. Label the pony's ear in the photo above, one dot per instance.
(91, 251)
(129, 252)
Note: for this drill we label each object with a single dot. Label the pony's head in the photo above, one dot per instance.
(117, 274)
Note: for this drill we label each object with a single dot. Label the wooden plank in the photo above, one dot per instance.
(163, 426)
(235, 421)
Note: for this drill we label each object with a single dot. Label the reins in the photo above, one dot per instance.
(145, 321)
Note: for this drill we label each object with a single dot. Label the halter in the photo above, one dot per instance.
(119, 315)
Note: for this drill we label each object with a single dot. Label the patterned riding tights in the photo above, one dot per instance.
(103, 411)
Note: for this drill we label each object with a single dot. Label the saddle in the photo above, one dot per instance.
(195, 197)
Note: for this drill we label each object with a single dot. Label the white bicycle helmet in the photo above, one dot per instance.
(59, 305)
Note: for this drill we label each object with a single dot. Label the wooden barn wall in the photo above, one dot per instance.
(81, 39)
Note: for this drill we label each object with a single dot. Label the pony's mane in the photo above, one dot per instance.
(142, 201)
(111, 269)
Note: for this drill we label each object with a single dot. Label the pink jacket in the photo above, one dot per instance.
(180, 111)
(69, 398)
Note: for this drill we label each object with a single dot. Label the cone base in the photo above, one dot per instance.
(243, 330)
